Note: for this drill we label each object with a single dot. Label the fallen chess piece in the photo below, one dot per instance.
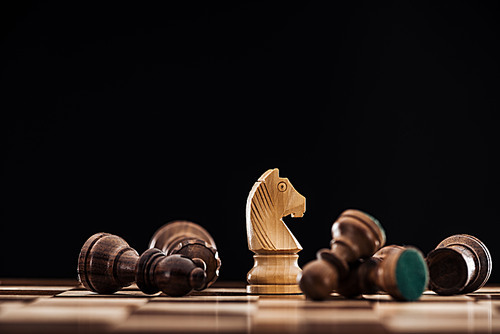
(107, 263)
(399, 271)
(191, 240)
(460, 264)
(275, 267)
(356, 235)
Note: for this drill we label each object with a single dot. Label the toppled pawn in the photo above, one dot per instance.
(107, 263)
(356, 235)
(399, 271)
(192, 240)
(460, 264)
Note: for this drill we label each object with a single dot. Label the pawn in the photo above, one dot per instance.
(107, 263)
(399, 271)
(356, 235)
(460, 264)
(191, 240)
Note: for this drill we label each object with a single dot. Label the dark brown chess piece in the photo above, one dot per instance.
(460, 264)
(191, 240)
(356, 235)
(107, 263)
(399, 271)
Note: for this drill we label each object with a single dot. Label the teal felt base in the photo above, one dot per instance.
(411, 274)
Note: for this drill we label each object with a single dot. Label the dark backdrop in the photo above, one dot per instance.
(120, 118)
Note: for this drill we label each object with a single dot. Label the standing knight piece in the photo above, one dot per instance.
(275, 267)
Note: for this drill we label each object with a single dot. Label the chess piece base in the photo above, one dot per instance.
(460, 264)
(274, 274)
(274, 289)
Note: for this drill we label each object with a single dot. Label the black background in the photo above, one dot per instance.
(120, 118)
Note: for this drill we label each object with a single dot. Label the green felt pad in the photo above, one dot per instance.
(411, 274)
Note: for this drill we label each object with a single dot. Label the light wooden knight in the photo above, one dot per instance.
(275, 267)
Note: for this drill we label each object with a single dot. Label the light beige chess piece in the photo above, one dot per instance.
(275, 267)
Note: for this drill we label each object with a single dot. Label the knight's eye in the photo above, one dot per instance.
(282, 186)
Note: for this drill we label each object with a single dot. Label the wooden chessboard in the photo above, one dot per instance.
(62, 306)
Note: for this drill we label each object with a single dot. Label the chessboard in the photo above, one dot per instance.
(64, 306)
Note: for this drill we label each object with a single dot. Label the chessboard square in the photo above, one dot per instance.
(40, 318)
(164, 323)
(434, 297)
(455, 317)
(451, 309)
(119, 294)
(202, 299)
(457, 325)
(188, 309)
(326, 316)
(24, 298)
(33, 290)
(234, 291)
(84, 302)
(10, 305)
(296, 320)
(308, 304)
(488, 289)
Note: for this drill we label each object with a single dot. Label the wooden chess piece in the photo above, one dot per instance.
(399, 271)
(460, 264)
(191, 240)
(107, 263)
(275, 267)
(356, 235)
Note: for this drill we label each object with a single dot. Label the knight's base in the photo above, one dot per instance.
(274, 289)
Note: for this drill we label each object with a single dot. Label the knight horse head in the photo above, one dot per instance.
(271, 198)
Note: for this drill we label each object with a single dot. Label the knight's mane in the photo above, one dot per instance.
(261, 208)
